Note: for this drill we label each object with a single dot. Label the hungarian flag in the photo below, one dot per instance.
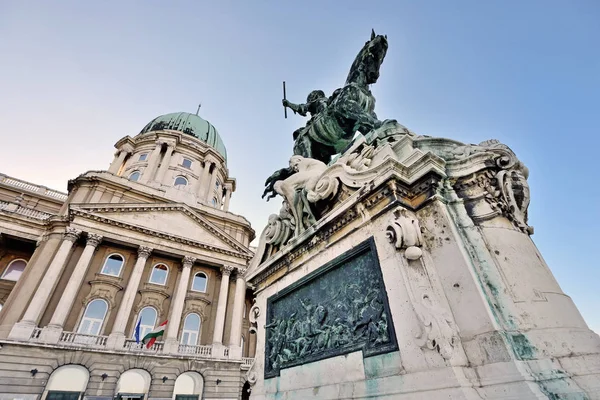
(151, 336)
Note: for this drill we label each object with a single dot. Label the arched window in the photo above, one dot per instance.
(67, 382)
(143, 157)
(112, 265)
(199, 282)
(214, 201)
(244, 312)
(191, 330)
(217, 184)
(133, 381)
(188, 385)
(135, 175)
(180, 181)
(14, 270)
(93, 317)
(186, 163)
(147, 318)
(159, 274)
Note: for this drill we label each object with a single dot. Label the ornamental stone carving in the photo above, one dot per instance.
(72, 234)
(93, 239)
(188, 261)
(144, 252)
(438, 331)
(253, 317)
(405, 233)
(227, 270)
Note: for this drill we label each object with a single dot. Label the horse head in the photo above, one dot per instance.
(365, 68)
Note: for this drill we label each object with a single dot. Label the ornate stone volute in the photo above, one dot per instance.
(226, 270)
(405, 233)
(188, 261)
(144, 252)
(72, 234)
(253, 317)
(488, 177)
(93, 239)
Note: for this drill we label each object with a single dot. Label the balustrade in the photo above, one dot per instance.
(205, 351)
(82, 339)
(35, 335)
(99, 342)
(132, 345)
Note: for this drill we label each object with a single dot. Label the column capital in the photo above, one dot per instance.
(144, 252)
(93, 239)
(241, 272)
(72, 234)
(227, 270)
(188, 261)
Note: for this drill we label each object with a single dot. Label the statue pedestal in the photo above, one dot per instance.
(420, 281)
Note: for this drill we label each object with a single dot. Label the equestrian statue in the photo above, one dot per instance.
(335, 120)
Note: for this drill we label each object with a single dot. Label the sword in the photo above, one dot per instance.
(284, 107)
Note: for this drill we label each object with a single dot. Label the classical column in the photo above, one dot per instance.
(222, 305)
(164, 166)
(201, 176)
(227, 197)
(68, 295)
(171, 343)
(211, 187)
(42, 294)
(118, 161)
(118, 330)
(51, 333)
(235, 337)
(152, 163)
(202, 183)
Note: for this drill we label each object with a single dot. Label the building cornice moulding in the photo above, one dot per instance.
(146, 231)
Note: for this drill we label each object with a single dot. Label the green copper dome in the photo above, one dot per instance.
(190, 124)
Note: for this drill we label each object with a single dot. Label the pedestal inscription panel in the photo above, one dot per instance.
(340, 308)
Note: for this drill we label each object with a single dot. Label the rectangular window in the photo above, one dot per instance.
(187, 163)
(186, 397)
(143, 157)
(59, 395)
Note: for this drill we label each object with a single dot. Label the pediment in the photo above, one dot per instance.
(178, 221)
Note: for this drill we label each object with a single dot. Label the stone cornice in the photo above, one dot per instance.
(177, 239)
(201, 220)
(156, 194)
(390, 189)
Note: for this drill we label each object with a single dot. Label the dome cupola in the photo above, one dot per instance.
(190, 124)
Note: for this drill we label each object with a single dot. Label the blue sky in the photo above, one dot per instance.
(77, 76)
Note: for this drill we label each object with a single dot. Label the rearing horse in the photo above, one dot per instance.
(349, 109)
(335, 120)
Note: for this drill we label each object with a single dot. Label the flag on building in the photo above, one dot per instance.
(151, 336)
(136, 331)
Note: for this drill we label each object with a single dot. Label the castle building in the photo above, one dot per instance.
(147, 241)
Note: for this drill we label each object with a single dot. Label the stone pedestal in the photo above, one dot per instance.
(22, 330)
(235, 352)
(115, 341)
(171, 346)
(51, 334)
(419, 279)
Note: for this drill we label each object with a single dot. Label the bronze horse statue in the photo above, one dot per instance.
(335, 120)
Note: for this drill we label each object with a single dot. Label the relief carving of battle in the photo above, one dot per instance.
(342, 308)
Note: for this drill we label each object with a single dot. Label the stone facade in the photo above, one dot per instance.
(476, 311)
(149, 239)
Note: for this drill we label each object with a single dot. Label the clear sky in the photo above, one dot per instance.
(77, 76)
